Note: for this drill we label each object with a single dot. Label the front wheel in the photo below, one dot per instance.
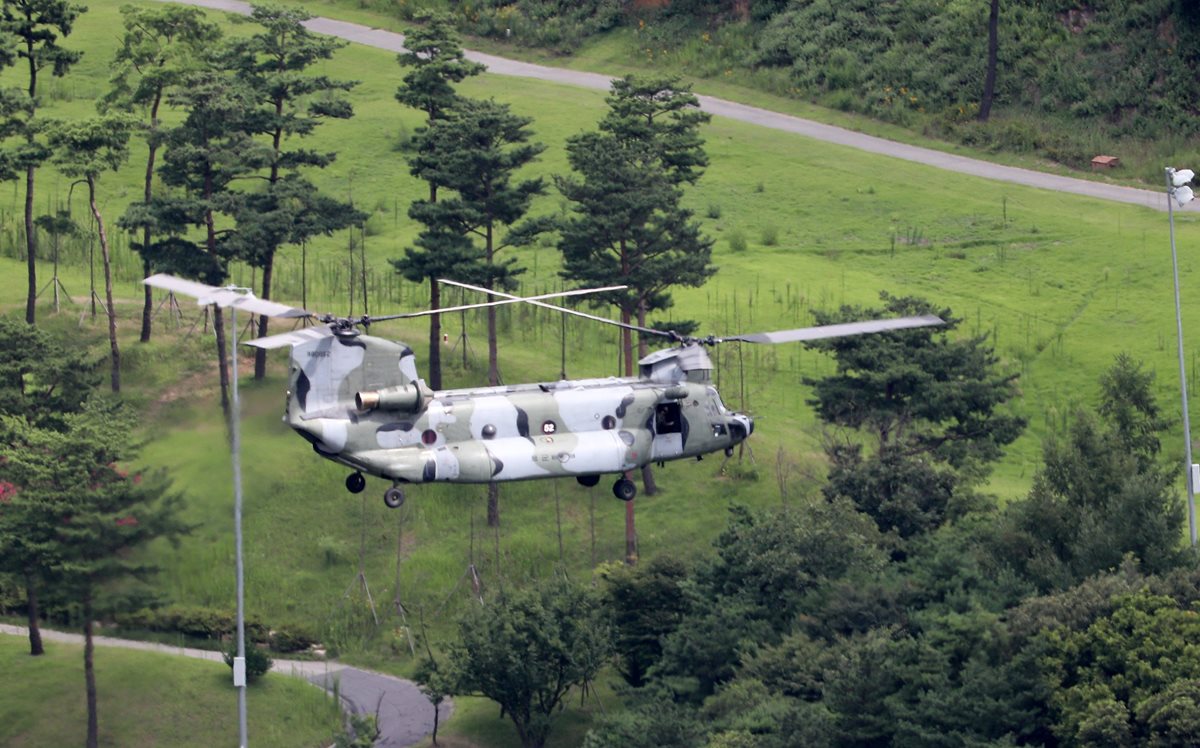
(355, 482)
(393, 497)
(624, 489)
(587, 481)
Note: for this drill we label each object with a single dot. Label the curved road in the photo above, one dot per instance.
(394, 42)
(405, 715)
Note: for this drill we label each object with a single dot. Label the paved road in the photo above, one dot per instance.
(394, 42)
(405, 715)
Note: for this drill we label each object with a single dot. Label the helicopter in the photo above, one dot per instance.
(359, 401)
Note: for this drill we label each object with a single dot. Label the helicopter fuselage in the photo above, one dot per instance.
(342, 400)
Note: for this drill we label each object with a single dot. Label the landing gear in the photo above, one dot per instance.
(587, 481)
(393, 497)
(355, 482)
(624, 489)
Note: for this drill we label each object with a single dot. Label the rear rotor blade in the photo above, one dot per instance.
(224, 297)
(508, 299)
(837, 331)
(585, 315)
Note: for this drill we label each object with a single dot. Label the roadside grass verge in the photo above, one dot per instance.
(147, 699)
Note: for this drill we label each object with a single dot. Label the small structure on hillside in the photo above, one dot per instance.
(1100, 163)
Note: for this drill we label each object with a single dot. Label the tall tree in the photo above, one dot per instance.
(36, 25)
(437, 61)
(160, 46)
(41, 384)
(100, 514)
(276, 64)
(85, 149)
(628, 226)
(930, 410)
(474, 153)
(205, 154)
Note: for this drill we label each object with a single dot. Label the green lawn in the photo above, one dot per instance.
(150, 699)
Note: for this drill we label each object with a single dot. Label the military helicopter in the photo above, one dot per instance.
(358, 399)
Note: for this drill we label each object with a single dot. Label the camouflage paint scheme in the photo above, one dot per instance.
(359, 401)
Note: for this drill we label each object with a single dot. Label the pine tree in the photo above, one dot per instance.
(276, 65)
(85, 149)
(36, 26)
(75, 482)
(205, 154)
(628, 226)
(159, 47)
(437, 61)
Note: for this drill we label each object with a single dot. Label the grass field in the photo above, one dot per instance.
(148, 699)
(1060, 283)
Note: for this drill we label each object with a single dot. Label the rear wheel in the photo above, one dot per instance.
(393, 497)
(624, 489)
(588, 480)
(355, 482)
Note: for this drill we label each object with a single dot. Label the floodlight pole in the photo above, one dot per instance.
(1187, 429)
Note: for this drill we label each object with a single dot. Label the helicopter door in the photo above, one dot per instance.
(668, 431)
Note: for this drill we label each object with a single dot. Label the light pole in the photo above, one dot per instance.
(232, 297)
(1179, 192)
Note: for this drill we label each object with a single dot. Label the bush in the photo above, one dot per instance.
(737, 240)
(293, 639)
(770, 235)
(714, 210)
(258, 662)
(192, 620)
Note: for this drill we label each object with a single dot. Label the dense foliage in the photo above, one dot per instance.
(1120, 69)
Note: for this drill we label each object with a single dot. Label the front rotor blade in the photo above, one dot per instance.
(223, 297)
(585, 315)
(507, 300)
(838, 331)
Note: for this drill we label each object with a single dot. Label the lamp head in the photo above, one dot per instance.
(1183, 195)
(1181, 177)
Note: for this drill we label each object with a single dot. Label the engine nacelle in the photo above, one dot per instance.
(405, 398)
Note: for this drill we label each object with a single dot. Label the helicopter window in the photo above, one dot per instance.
(608, 423)
(718, 429)
(667, 418)
(489, 431)
(712, 392)
(549, 427)
(428, 436)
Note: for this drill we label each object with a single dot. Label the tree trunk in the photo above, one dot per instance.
(35, 631)
(219, 329)
(148, 297)
(260, 354)
(108, 292)
(147, 194)
(435, 335)
(30, 249)
(989, 81)
(648, 485)
(630, 529)
(89, 675)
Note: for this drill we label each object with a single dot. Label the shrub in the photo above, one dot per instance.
(292, 639)
(770, 235)
(714, 210)
(737, 240)
(258, 662)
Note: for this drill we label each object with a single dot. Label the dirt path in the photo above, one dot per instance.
(394, 42)
(405, 715)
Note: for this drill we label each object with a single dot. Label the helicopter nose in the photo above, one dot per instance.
(740, 427)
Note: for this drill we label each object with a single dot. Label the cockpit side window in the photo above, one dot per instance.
(712, 392)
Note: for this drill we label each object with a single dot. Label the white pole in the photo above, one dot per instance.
(239, 664)
(1187, 429)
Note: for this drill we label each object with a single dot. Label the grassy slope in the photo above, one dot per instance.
(1063, 285)
(147, 699)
